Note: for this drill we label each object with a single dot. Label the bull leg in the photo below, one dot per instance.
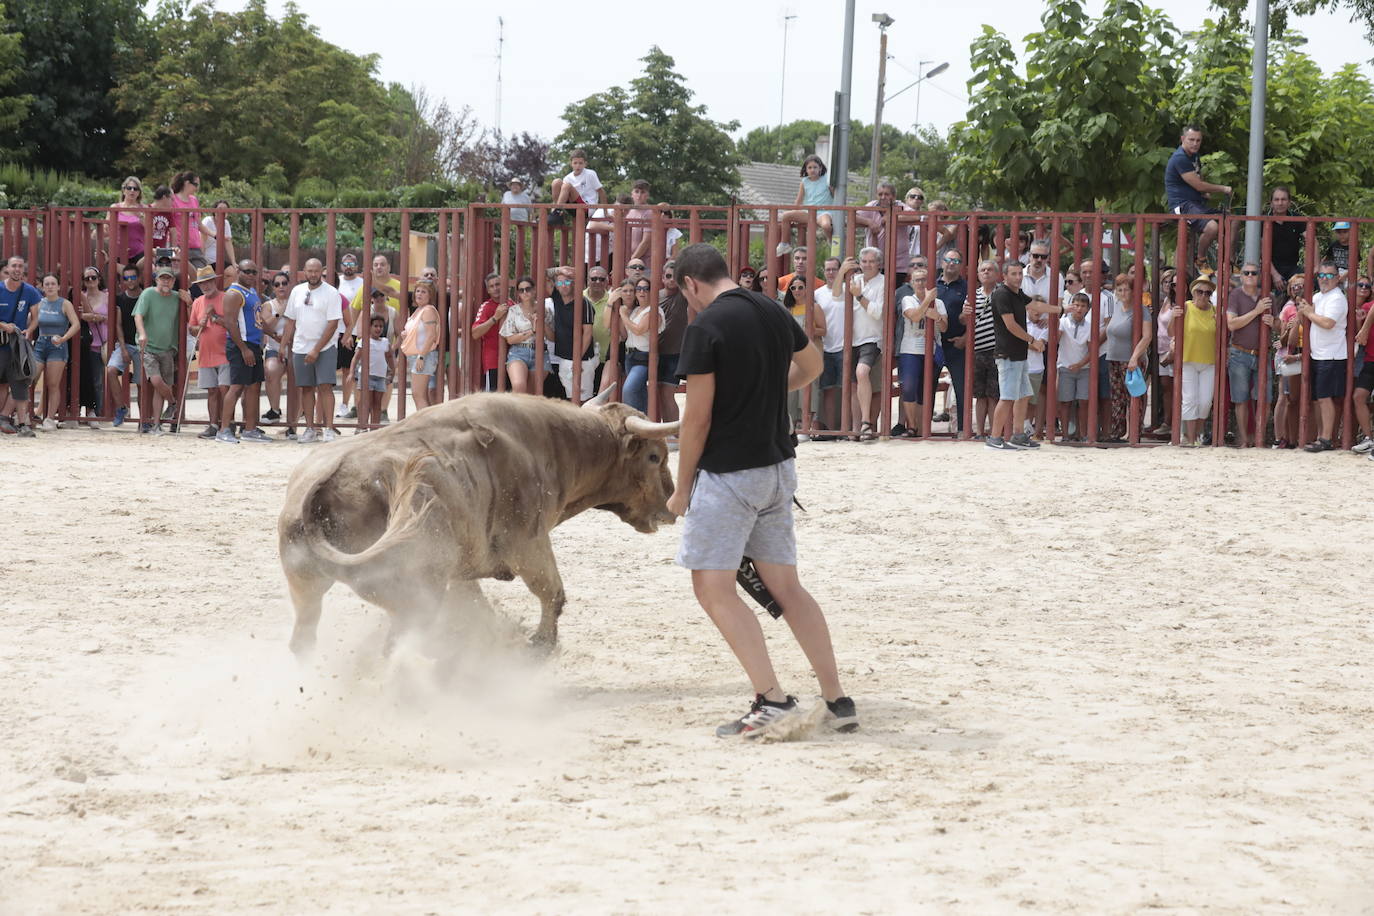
(411, 601)
(307, 595)
(539, 571)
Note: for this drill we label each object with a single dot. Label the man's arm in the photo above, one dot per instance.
(1016, 329)
(1206, 187)
(696, 425)
(288, 336)
(806, 365)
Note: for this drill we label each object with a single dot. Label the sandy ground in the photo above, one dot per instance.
(1090, 681)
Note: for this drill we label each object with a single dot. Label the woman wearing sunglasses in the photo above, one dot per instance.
(1364, 365)
(519, 331)
(132, 235)
(272, 320)
(94, 334)
(635, 318)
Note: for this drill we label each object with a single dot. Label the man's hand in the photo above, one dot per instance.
(967, 310)
(185, 297)
(311, 357)
(1268, 320)
(8, 328)
(247, 353)
(143, 340)
(1037, 345)
(1263, 305)
(677, 503)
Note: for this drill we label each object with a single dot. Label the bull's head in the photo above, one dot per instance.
(642, 481)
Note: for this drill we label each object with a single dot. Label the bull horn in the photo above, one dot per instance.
(603, 398)
(648, 429)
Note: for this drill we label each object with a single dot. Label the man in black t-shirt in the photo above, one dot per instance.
(124, 354)
(736, 476)
(1014, 342)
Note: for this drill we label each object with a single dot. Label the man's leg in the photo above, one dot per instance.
(804, 616)
(251, 405)
(1205, 240)
(667, 403)
(1242, 424)
(863, 392)
(308, 405)
(1001, 415)
(226, 414)
(324, 401)
(1018, 415)
(715, 591)
(1327, 407)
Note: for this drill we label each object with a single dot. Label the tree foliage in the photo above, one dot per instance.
(1097, 113)
(14, 107)
(652, 131)
(1361, 12)
(66, 68)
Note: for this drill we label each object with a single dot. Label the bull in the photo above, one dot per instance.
(411, 516)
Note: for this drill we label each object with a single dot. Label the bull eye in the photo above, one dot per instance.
(655, 457)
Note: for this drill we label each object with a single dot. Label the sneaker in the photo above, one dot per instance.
(255, 435)
(329, 435)
(120, 414)
(556, 217)
(145, 429)
(227, 437)
(308, 436)
(763, 716)
(1370, 456)
(209, 432)
(170, 410)
(385, 418)
(783, 249)
(290, 433)
(49, 424)
(1321, 445)
(351, 415)
(841, 716)
(998, 443)
(7, 426)
(1022, 441)
(1364, 445)
(272, 416)
(24, 431)
(159, 430)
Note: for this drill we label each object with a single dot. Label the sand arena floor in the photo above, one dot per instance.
(1090, 681)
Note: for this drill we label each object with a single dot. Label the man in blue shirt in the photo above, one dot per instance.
(16, 297)
(1187, 192)
(952, 289)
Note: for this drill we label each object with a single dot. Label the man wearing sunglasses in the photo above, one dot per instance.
(1327, 312)
(125, 357)
(952, 290)
(1246, 313)
(1035, 281)
(564, 302)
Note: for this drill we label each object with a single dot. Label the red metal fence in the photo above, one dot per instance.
(471, 242)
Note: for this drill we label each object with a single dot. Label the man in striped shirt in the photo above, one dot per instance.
(985, 390)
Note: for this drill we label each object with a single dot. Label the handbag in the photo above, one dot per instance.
(1135, 382)
(1285, 368)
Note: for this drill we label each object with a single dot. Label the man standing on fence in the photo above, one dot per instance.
(736, 478)
(1187, 192)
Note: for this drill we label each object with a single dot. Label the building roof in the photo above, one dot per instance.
(772, 184)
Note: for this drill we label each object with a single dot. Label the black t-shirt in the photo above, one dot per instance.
(563, 319)
(747, 340)
(1006, 301)
(1288, 237)
(674, 325)
(126, 304)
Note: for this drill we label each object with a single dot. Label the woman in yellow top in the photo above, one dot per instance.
(1198, 363)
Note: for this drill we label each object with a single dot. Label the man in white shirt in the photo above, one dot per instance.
(1036, 279)
(832, 347)
(517, 195)
(313, 313)
(1327, 312)
(867, 288)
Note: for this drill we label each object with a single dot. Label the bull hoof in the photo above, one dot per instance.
(543, 645)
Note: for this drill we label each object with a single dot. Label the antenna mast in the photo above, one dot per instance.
(500, 47)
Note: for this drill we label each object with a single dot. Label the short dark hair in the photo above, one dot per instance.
(578, 154)
(640, 185)
(1187, 128)
(1327, 262)
(703, 263)
(161, 191)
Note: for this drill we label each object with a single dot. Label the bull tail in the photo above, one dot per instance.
(410, 500)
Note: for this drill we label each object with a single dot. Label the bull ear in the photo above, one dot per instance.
(648, 429)
(601, 399)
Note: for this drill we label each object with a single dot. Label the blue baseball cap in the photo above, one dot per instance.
(1341, 225)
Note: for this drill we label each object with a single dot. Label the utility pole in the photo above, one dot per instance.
(500, 48)
(883, 20)
(1254, 185)
(846, 87)
(782, 90)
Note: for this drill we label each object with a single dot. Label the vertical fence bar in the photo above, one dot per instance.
(1137, 405)
(1266, 333)
(1181, 295)
(1221, 402)
(1347, 418)
(402, 373)
(1095, 335)
(1305, 395)
(360, 325)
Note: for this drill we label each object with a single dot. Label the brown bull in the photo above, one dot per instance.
(410, 516)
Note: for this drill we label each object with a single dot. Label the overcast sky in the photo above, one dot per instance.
(730, 52)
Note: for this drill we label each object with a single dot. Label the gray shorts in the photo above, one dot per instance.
(160, 364)
(321, 372)
(214, 376)
(740, 514)
(1073, 385)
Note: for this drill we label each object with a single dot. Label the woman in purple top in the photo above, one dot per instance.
(132, 234)
(184, 188)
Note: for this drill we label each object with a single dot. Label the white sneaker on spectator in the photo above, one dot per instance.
(308, 436)
(1364, 445)
(329, 435)
(49, 424)
(341, 411)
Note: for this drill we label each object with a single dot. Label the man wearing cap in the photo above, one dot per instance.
(157, 316)
(1187, 192)
(207, 327)
(1338, 250)
(520, 200)
(1327, 312)
(243, 350)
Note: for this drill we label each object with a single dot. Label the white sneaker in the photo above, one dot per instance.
(308, 436)
(49, 424)
(329, 435)
(227, 436)
(1364, 445)
(341, 411)
(784, 248)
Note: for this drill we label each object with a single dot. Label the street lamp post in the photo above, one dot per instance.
(937, 70)
(883, 20)
(877, 127)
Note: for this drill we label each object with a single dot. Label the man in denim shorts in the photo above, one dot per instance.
(736, 477)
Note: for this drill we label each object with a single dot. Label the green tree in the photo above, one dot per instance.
(1361, 11)
(1087, 124)
(231, 94)
(65, 65)
(787, 145)
(652, 131)
(13, 107)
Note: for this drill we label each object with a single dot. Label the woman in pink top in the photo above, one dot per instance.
(94, 310)
(420, 344)
(133, 236)
(184, 188)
